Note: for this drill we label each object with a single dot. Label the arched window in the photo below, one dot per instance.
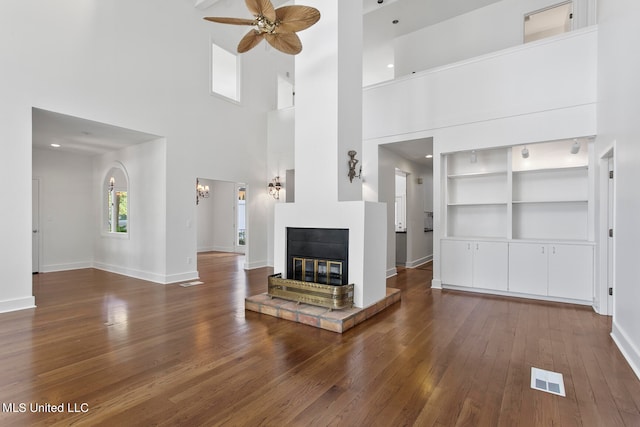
(116, 210)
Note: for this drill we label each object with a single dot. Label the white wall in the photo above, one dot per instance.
(205, 219)
(619, 104)
(140, 65)
(66, 205)
(280, 159)
(141, 252)
(224, 194)
(488, 29)
(216, 217)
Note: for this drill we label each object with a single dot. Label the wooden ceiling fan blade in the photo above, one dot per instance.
(250, 40)
(285, 42)
(262, 7)
(232, 21)
(296, 18)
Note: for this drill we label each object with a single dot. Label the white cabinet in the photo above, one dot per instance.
(528, 271)
(478, 264)
(457, 263)
(555, 270)
(520, 220)
(571, 272)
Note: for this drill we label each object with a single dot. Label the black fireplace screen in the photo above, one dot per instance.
(318, 255)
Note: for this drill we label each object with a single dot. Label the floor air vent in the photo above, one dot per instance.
(551, 382)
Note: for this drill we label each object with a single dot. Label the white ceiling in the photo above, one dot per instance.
(414, 150)
(80, 135)
(88, 137)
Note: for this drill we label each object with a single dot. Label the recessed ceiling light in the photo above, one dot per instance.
(429, 156)
(55, 145)
(395, 21)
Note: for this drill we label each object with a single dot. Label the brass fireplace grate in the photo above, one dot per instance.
(329, 296)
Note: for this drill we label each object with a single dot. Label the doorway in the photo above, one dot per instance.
(221, 217)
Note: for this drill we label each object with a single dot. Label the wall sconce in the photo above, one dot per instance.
(274, 188)
(525, 153)
(202, 191)
(352, 166)
(112, 183)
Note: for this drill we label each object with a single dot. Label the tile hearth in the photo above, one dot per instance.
(336, 321)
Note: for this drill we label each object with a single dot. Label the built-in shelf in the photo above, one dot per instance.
(476, 174)
(523, 202)
(555, 169)
(477, 204)
(519, 225)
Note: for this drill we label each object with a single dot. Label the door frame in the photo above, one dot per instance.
(36, 253)
(604, 303)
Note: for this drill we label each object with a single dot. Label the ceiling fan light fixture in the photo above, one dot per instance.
(277, 26)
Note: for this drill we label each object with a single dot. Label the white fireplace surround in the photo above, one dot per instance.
(367, 245)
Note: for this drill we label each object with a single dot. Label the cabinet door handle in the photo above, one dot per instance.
(477, 246)
(554, 250)
(468, 246)
(543, 249)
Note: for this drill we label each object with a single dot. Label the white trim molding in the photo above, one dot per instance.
(17, 304)
(628, 350)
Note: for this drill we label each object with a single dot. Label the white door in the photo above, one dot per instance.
(490, 261)
(528, 268)
(456, 263)
(610, 234)
(35, 225)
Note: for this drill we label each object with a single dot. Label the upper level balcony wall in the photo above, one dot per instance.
(543, 76)
(497, 26)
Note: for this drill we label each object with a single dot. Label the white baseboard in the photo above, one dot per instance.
(17, 304)
(224, 249)
(181, 277)
(419, 262)
(392, 272)
(627, 348)
(147, 275)
(436, 284)
(65, 267)
(256, 264)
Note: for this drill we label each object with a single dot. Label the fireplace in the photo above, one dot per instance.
(319, 255)
(317, 268)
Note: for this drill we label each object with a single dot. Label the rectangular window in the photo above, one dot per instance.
(225, 73)
(548, 22)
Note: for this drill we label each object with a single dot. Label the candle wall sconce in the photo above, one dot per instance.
(353, 162)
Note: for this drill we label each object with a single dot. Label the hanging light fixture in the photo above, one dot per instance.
(112, 183)
(202, 191)
(274, 188)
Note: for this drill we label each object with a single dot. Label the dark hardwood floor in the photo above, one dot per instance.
(133, 353)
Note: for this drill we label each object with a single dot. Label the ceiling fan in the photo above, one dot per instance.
(277, 26)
